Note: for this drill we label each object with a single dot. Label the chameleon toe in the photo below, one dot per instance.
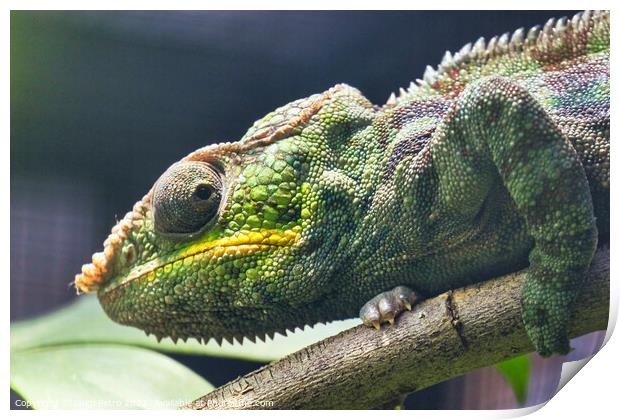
(370, 315)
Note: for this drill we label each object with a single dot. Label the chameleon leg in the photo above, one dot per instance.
(497, 132)
(387, 305)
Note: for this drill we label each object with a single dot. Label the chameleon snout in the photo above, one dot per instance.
(117, 249)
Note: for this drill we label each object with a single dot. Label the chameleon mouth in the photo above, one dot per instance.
(208, 322)
(243, 243)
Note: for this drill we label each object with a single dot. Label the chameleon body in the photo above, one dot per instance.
(496, 161)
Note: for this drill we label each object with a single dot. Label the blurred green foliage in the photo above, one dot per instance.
(516, 371)
(77, 357)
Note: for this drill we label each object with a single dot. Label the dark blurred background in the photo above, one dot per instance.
(103, 102)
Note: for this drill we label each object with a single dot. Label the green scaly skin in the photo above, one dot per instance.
(496, 161)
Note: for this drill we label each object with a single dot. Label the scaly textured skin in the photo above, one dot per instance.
(496, 161)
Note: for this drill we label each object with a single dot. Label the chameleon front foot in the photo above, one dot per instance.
(386, 306)
(546, 316)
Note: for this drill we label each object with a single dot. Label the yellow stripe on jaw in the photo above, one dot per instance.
(243, 241)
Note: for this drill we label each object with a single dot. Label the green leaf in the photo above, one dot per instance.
(103, 376)
(85, 322)
(516, 371)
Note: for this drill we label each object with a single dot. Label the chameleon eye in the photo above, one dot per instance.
(186, 197)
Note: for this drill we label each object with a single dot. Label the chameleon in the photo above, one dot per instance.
(331, 207)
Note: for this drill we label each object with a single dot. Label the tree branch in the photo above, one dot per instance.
(443, 337)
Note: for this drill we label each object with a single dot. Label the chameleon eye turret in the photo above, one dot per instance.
(186, 197)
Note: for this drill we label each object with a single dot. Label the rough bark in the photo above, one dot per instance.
(443, 337)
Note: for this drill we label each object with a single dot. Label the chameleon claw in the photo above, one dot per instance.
(386, 306)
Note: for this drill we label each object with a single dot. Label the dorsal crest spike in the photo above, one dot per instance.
(503, 41)
(518, 37)
(492, 45)
(479, 46)
(532, 34)
(447, 60)
(561, 24)
(429, 75)
(548, 28)
(466, 49)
